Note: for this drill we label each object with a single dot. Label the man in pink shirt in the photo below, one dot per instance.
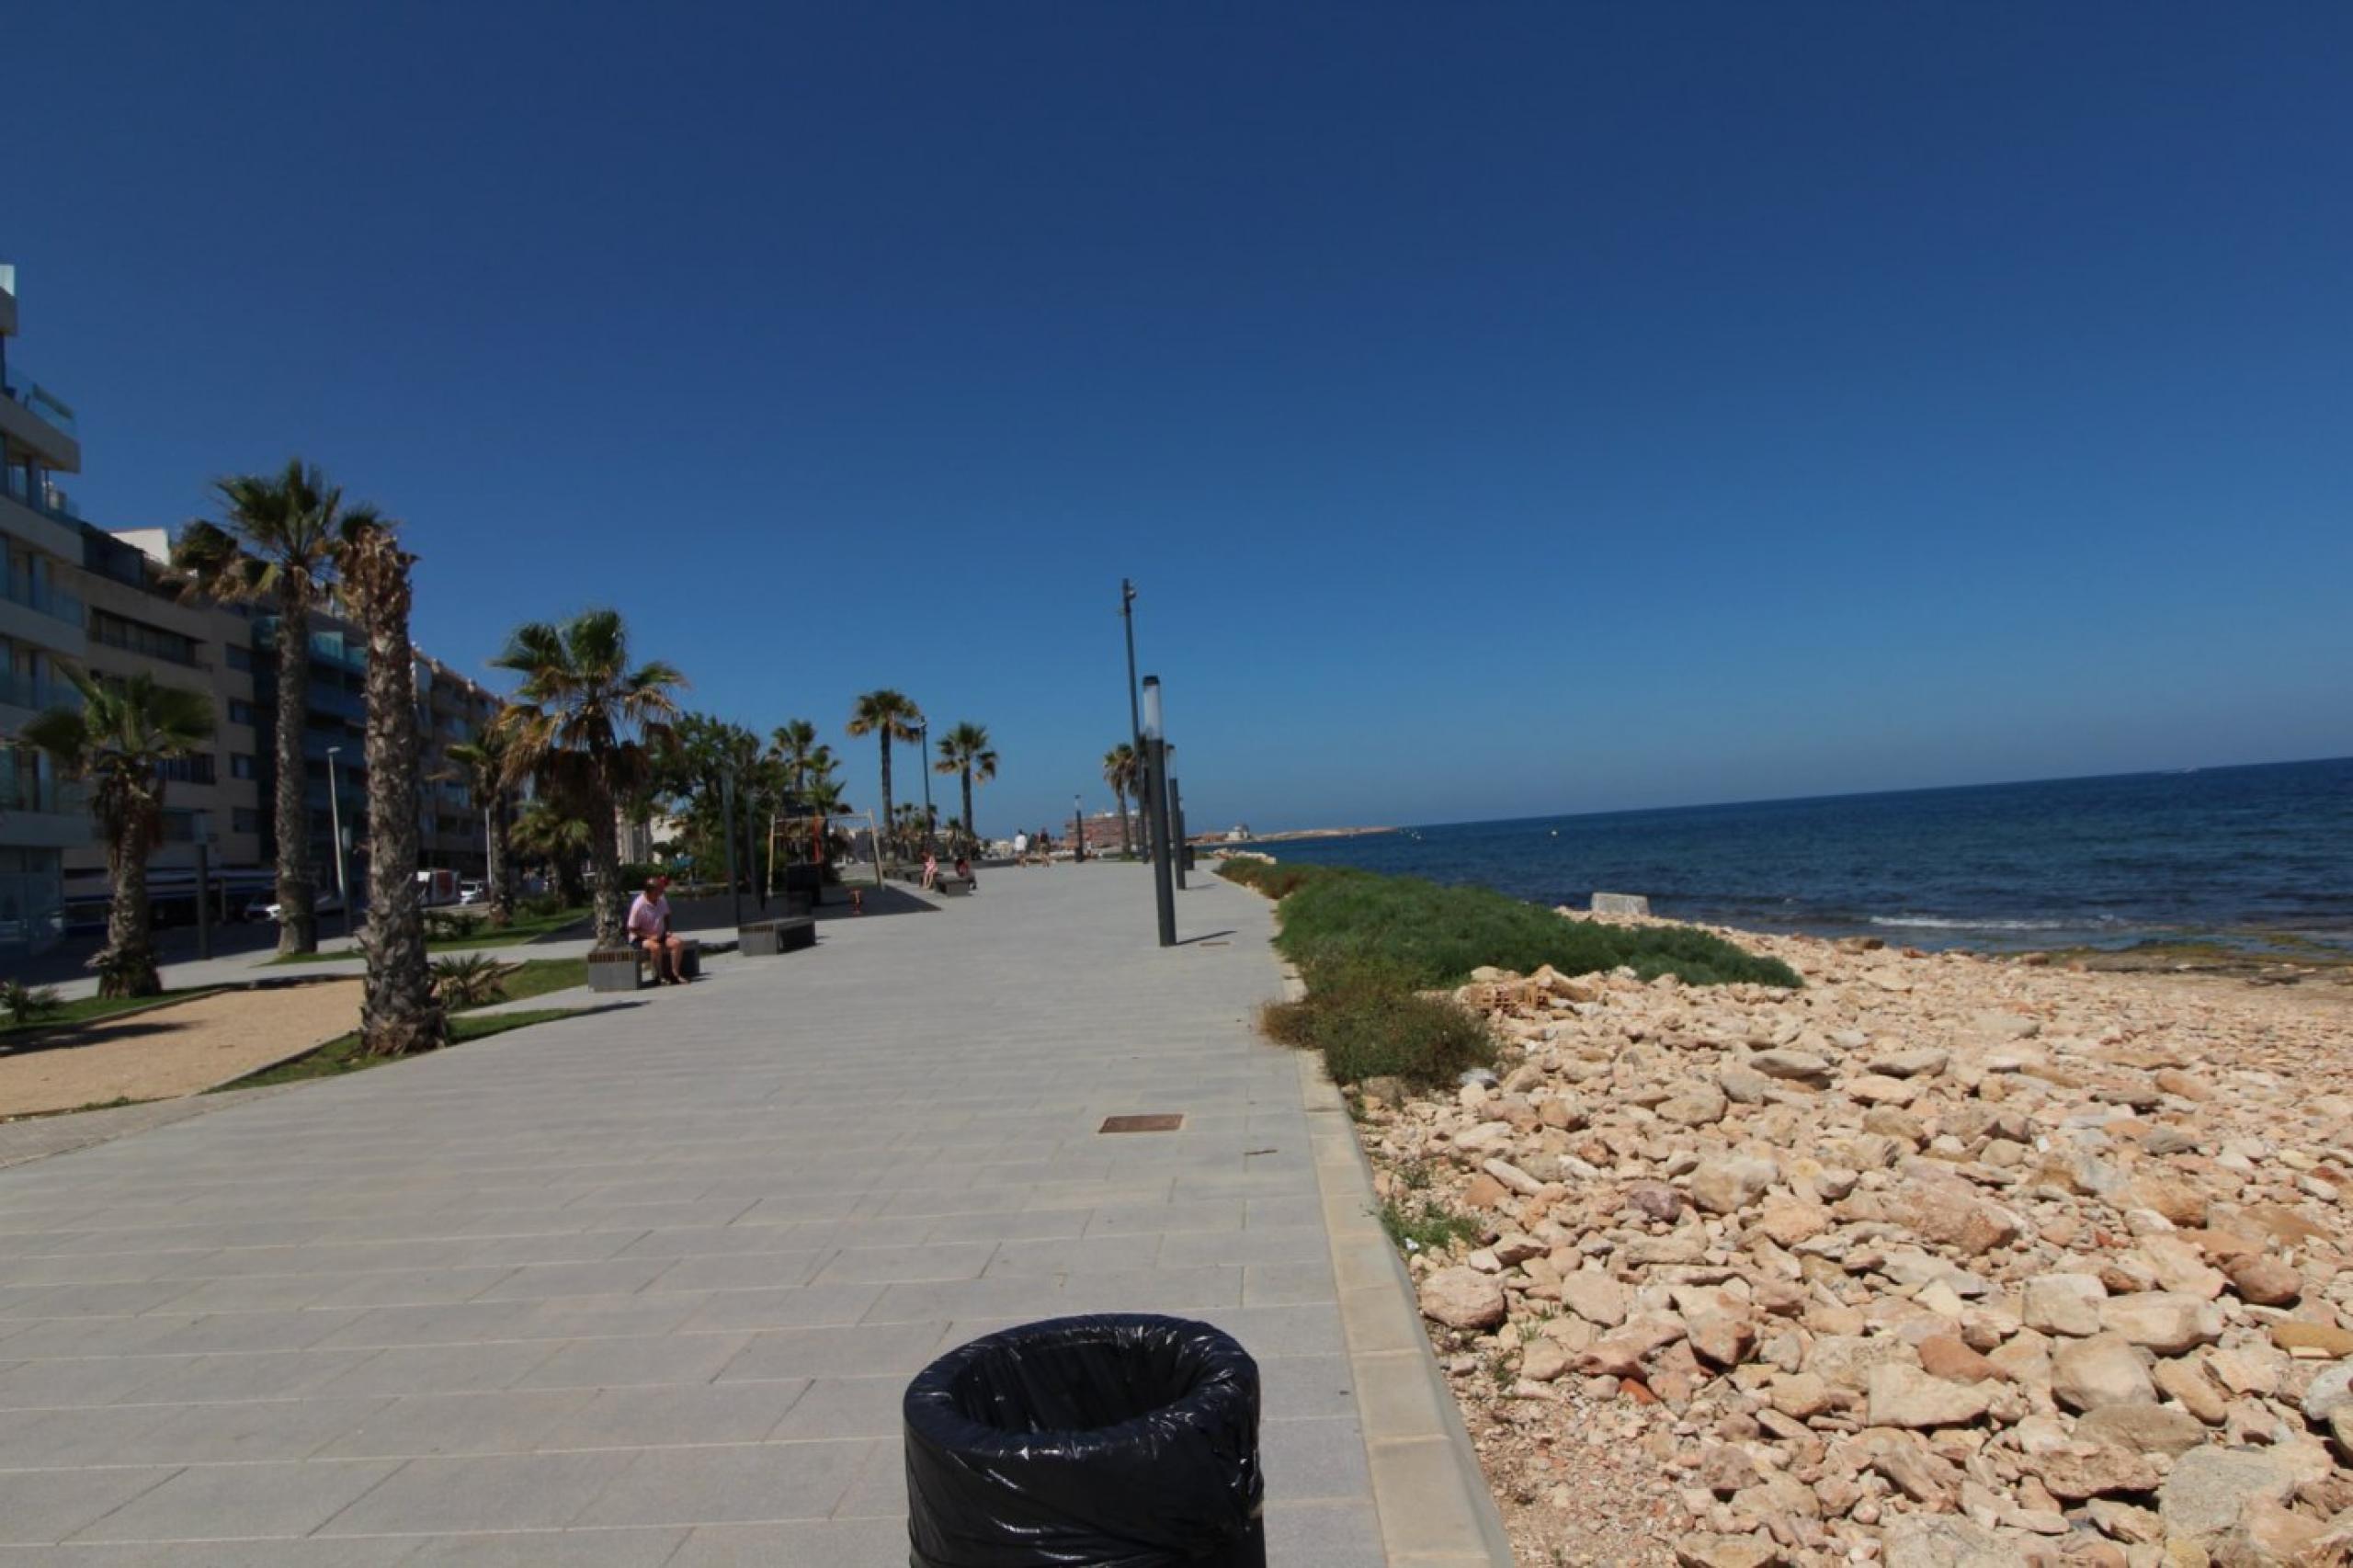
(649, 929)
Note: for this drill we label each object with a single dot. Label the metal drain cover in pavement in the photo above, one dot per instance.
(1159, 1121)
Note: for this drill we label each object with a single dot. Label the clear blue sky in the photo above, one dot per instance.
(1504, 408)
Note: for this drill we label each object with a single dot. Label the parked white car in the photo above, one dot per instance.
(266, 908)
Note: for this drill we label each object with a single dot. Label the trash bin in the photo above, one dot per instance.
(1087, 1442)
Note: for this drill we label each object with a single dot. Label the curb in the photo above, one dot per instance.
(1434, 1508)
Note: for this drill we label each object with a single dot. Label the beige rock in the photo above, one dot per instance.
(1904, 1396)
(2209, 1488)
(1720, 1338)
(2093, 1470)
(1799, 1395)
(2161, 1321)
(1597, 1298)
(2177, 1200)
(1794, 1066)
(2270, 1535)
(2143, 1428)
(2122, 1521)
(1703, 1106)
(1730, 1183)
(1926, 1062)
(1944, 1540)
(1484, 1192)
(1846, 1361)
(2090, 1374)
(1512, 1177)
(1461, 1298)
(1789, 1221)
(1743, 1086)
(2313, 1340)
(1726, 1551)
(1948, 1213)
(2266, 1281)
(1877, 1089)
(2186, 1382)
(1947, 1356)
(1544, 1360)
(2064, 1304)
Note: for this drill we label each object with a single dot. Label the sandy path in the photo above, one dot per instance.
(173, 1050)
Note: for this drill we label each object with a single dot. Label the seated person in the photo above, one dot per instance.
(964, 872)
(649, 931)
(930, 871)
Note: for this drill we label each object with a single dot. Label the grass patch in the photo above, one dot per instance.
(1430, 936)
(342, 1055)
(92, 1009)
(1428, 1226)
(537, 977)
(522, 929)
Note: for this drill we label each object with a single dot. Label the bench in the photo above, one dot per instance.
(951, 886)
(624, 969)
(767, 938)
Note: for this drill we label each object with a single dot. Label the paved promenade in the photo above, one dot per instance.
(643, 1288)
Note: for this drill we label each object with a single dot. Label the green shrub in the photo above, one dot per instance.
(25, 1003)
(1428, 1226)
(541, 906)
(1277, 879)
(470, 981)
(1368, 1025)
(1428, 936)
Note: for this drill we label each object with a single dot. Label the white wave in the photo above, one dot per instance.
(1940, 923)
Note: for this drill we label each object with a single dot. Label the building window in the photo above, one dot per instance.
(244, 819)
(138, 637)
(193, 769)
(240, 658)
(240, 711)
(242, 767)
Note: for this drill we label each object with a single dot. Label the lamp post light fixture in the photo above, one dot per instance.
(335, 827)
(923, 756)
(1155, 742)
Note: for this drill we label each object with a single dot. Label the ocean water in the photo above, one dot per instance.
(2250, 852)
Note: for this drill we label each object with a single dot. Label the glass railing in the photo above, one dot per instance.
(45, 405)
(24, 789)
(42, 597)
(39, 492)
(37, 691)
(346, 704)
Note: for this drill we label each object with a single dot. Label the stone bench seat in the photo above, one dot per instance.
(625, 969)
(767, 938)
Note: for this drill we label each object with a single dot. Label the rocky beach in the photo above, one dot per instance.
(1941, 1261)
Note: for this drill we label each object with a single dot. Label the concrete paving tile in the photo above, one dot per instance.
(443, 1369)
(59, 1438)
(661, 1416)
(1315, 1459)
(507, 1421)
(215, 1500)
(1325, 1535)
(408, 1287)
(498, 1491)
(238, 1430)
(605, 1363)
(1201, 1214)
(1068, 1255)
(1300, 1387)
(1288, 1284)
(937, 1260)
(751, 1483)
(548, 1549)
(859, 1350)
(806, 1306)
(827, 1543)
(847, 1408)
(606, 1277)
(89, 1382)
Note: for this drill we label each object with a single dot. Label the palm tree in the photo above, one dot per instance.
(481, 766)
(1120, 770)
(582, 697)
(557, 838)
(125, 731)
(276, 545)
(965, 750)
(890, 715)
(794, 744)
(399, 1014)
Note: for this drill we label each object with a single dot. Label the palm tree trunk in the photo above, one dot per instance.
(127, 968)
(1127, 839)
(298, 930)
(604, 854)
(890, 824)
(970, 831)
(499, 870)
(398, 1012)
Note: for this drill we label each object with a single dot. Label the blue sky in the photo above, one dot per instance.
(1504, 409)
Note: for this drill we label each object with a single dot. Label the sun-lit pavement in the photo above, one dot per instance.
(644, 1287)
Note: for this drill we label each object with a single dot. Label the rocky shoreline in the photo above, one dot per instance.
(1941, 1261)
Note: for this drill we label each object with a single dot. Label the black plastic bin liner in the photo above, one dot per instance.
(1087, 1442)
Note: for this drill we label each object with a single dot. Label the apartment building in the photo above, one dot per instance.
(42, 627)
(451, 709)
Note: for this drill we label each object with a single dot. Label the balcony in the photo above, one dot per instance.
(46, 601)
(334, 700)
(37, 692)
(40, 492)
(33, 416)
(329, 648)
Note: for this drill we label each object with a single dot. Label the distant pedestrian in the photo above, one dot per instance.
(930, 871)
(1020, 848)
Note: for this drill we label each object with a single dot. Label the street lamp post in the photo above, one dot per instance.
(1163, 892)
(1176, 827)
(1078, 830)
(923, 755)
(1135, 719)
(727, 828)
(335, 827)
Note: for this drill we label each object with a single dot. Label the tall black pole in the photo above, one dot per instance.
(1077, 832)
(727, 831)
(924, 730)
(1176, 829)
(203, 898)
(1164, 890)
(1135, 719)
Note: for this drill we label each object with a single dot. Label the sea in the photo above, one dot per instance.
(2261, 856)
